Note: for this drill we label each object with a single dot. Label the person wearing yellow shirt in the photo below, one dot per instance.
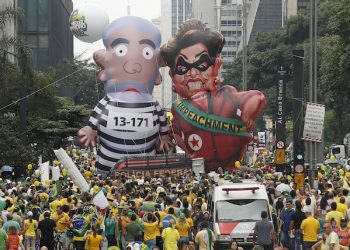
(61, 220)
(334, 214)
(150, 223)
(310, 227)
(54, 204)
(341, 206)
(184, 230)
(43, 196)
(30, 227)
(63, 201)
(170, 236)
(94, 241)
(88, 174)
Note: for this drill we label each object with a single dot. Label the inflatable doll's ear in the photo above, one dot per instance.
(159, 79)
(101, 59)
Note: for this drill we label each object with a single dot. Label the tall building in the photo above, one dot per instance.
(46, 31)
(263, 16)
(230, 26)
(181, 10)
(206, 12)
(173, 14)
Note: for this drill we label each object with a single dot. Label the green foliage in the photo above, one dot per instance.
(274, 49)
(51, 119)
(81, 87)
(51, 132)
(12, 150)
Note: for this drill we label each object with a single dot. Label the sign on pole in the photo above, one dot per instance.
(281, 121)
(314, 119)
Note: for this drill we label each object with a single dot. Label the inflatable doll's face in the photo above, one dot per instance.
(132, 64)
(194, 71)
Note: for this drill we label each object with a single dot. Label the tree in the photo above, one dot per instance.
(274, 49)
(82, 87)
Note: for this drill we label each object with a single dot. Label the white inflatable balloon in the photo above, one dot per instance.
(73, 171)
(88, 22)
(56, 173)
(45, 172)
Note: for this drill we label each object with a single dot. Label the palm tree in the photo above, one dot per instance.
(12, 48)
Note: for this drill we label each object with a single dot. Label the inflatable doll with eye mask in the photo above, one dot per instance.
(209, 121)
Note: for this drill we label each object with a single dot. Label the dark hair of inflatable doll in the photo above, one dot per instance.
(191, 32)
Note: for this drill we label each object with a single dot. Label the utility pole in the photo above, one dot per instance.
(244, 73)
(313, 85)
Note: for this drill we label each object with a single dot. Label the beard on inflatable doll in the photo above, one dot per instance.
(209, 121)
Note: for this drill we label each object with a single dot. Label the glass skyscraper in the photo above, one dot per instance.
(45, 29)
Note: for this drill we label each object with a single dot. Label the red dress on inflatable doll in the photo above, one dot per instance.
(211, 126)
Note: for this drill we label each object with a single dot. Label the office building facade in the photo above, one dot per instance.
(230, 26)
(173, 14)
(45, 29)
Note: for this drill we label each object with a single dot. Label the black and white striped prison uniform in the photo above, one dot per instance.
(115, 143)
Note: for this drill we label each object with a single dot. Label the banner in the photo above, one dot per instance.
(209, 122)
(174, 165)
(261, 139)
(314, 119)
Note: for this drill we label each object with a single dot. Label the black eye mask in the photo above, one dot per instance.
(182, 67)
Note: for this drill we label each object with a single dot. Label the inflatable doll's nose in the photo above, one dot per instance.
(132, 67)
(192, 72)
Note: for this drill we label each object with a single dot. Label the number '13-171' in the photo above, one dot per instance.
(121, 121)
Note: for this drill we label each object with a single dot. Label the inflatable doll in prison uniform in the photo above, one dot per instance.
(127, 121)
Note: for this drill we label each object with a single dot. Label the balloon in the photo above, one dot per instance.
(210, 121)
(47, 182)
(36, 183)
(64, 172)
(29, 166)
(96, 189)
(341, 172)
(323, 167)
(332, 158)
(237, 164)
(88, 22)
(74, 173)
(37, 173)
(135, 123)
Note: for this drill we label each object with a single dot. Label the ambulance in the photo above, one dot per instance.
(235, 208)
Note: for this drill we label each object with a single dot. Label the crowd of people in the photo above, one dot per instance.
(167, 212)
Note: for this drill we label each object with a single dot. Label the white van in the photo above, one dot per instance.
(235, 208)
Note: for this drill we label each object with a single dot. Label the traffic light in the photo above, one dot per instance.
(299, 152)
(299, 156)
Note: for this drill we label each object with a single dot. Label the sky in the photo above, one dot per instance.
(148, 9)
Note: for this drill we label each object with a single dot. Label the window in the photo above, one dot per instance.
(228, 33)
(43, 18)
(228, 53)
(232, 43)
(31, 15)
(240, 210)
(231, 22)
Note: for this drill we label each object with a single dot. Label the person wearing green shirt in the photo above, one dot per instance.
(3, 238)
(133, 229)
(111, 228)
